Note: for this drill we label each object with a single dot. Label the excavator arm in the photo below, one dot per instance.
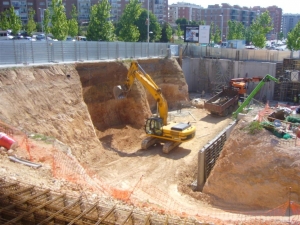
(136, 72)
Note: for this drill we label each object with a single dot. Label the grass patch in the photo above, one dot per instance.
(41, 137)
(254, 127)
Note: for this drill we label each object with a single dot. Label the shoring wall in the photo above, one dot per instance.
(209, 154)
(199, 70)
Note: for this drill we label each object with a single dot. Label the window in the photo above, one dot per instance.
(5, 3)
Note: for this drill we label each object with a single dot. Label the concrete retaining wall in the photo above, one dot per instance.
(200, 72)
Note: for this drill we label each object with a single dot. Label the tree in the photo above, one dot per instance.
(259, 28)
(166, 32)
(293, 38)
(46, 22)
(100, 28)
(154, 26)
(72, 23)
(179, 32)
(280, 36)
(31, 25)
(14, 21)
(236, 30)
(4, 23)
(127, 29)
(59, 21)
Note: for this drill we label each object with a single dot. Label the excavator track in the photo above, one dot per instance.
(149, 141)
(168, 146)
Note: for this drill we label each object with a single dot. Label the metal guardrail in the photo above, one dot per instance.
(33, 52)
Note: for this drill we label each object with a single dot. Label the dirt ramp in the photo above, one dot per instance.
(254, 171)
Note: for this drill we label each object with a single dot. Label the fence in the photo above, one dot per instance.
(33, 52)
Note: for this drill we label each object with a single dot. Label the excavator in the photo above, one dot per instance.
(157, 128)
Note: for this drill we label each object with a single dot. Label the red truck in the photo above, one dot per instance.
(223, 103)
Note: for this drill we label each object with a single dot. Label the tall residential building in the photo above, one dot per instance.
(276, 16)
(221, 14)
(289, 21)
(158, 7)
(184, 10)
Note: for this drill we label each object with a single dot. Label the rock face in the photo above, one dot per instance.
(255, 171)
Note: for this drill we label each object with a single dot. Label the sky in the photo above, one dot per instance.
(287, 6)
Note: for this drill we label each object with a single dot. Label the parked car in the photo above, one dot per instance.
(70, 39)
(281, 48)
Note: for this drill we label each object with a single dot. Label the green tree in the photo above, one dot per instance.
(46, 22)
(31, 25)
(166, 32)
(179, 32)
(59, 21)
(73, 24)
(217, 35)
(4, 22)
(154, 26)
(127, 29)
(293, 38)
(248, 35)
(259, 28)
(100, 28)
(236, 30)
(280, 36)
(15, 23)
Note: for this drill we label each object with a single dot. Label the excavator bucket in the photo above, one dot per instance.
(118, 92)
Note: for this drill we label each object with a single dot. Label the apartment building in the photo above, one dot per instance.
(158, 7)
(221, 14)
(276, 16)
(184, 10)
(289, 21)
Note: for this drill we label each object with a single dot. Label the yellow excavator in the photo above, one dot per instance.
(158, 129)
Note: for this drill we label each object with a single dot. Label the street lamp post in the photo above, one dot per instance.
(221, 28)
(42, 19)
(148, 22)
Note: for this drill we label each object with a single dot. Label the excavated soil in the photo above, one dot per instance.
(65, 118)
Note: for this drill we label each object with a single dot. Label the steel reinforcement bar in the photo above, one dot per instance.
(27, 204)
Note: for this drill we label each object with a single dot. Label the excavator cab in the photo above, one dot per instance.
(154, 126)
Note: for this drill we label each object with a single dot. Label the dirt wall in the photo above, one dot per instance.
(98, 80)
(254, 171)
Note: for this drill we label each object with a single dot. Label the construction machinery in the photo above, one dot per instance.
(241, 84)
(267, 78)
(223, 103)
(157, 128)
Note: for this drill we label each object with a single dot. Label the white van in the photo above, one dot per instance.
(5, 35)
